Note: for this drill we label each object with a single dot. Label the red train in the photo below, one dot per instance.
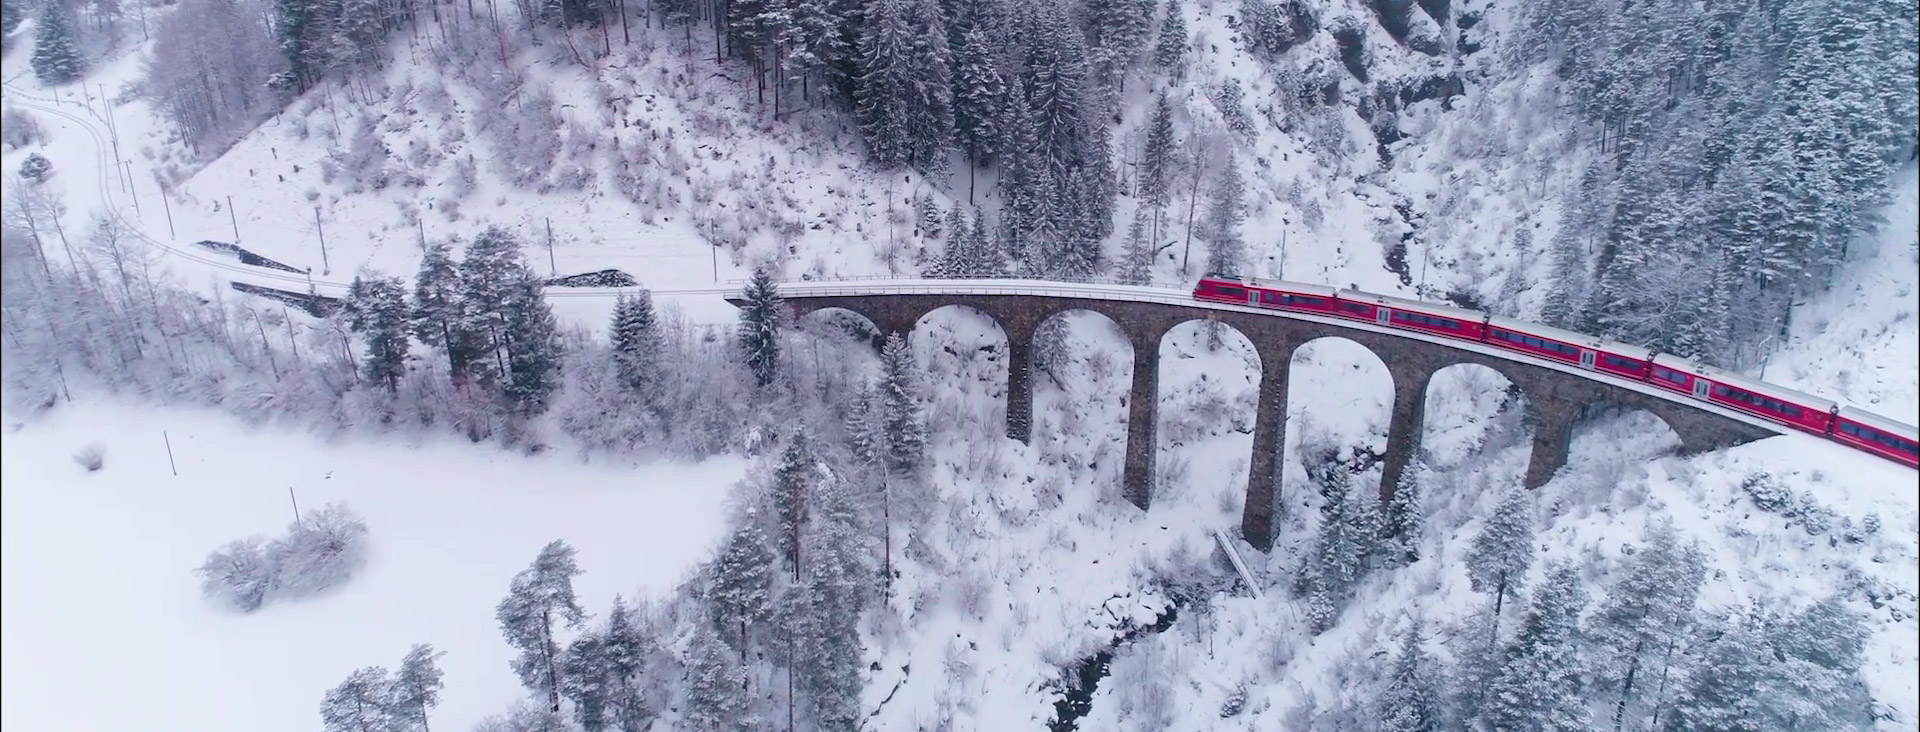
(1859, 429)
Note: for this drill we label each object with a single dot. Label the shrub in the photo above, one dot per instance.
(320, 551)
(36, 168)
(91, 457)
(19, 129)
(237, 575)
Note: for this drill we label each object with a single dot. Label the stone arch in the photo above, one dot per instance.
(964, 347)
(1323, 405)
(1210, 399)
(1633, 426)
(1469, 408)
(836, 319)
(1082, 376)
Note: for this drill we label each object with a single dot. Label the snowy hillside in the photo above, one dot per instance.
(749, 488)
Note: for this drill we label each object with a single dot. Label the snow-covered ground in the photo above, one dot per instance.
(101, 596)
(1031, 561)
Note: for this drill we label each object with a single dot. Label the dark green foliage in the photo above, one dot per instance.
(903, 414)
(1539, 686)
(539, 603)
(1502, 552)
(741, 592)
(1411, 701)
(761, 318)
(376, 308)
(635, 334)
(56, 51)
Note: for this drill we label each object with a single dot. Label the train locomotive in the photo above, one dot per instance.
(1849, 426)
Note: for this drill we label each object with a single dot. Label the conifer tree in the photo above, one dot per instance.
(716, 686)
(1340, 551)
(10, 16)
(532, 337)
(1136, 259)
(978, 88)
(376, 308)
(1502, 552)
(56, 52)
(1647, 612)
(538, 604)
(836, 593)
(761, 318)
(1230, 99)
(1170, 51)
(583, 680)
(358, 704)
(1539, 686)
(637, 344)
(1226, 211)
(904, 419)
(1404, 519)
(626, 647)
(439, 318)
(1157, 160)
(984, 259)
(742, 584)
(794, 482)
(416, 688)
(1411, 701)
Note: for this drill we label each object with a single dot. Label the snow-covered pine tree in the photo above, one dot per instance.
(1338, 555)
(637, 345)
(740, 595)
(1157, 158)
(984, 256)
(438, 316)
(358, 704)
(376, 308)
(1226, 211)
(929, 212)
(1170, 51)
(1539, 687)
(761, 317)
(1646, 614)
(864, 435)
(56, 52)
(416, 689)
(1764, 671)
(1502, 552)
(794, 482)
(1230, 99)
(882, 93)
(903, 418)
(532, 336)
(716, 686)
(1136, 257)
(11, 15)
(1403, 519)
(583, 680)
(837, 587)
(1411, 701)
(955, 227)
(977, 91)
(540, 601)
(627, 648)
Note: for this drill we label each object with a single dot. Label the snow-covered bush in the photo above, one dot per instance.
(320, 551)
(36, 168)
(91, 457)
(19, 129)
(237, 575)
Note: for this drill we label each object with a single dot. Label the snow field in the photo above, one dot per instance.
(101, 595)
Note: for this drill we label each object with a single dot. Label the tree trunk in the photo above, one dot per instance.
(1626, 689)
(553, 671)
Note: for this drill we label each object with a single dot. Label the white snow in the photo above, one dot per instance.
(101, 597)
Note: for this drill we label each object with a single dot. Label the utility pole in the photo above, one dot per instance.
(234, 219)
(325, 266)
(423, 233)
(169, 209)
(113, 134)
(715, 251)
(131, 189)
(553, 270)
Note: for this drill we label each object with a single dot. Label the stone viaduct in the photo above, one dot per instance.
(1556, 399)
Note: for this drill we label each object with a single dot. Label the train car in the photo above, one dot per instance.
(1412, 315)
(1585, 351)
(1878, 435)
(1223, 289)
(1793, 408)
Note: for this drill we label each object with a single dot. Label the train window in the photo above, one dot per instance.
(1619, 363)
(1669, 375)
(1353, 307)
(1231, 291)
(1850, 429)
